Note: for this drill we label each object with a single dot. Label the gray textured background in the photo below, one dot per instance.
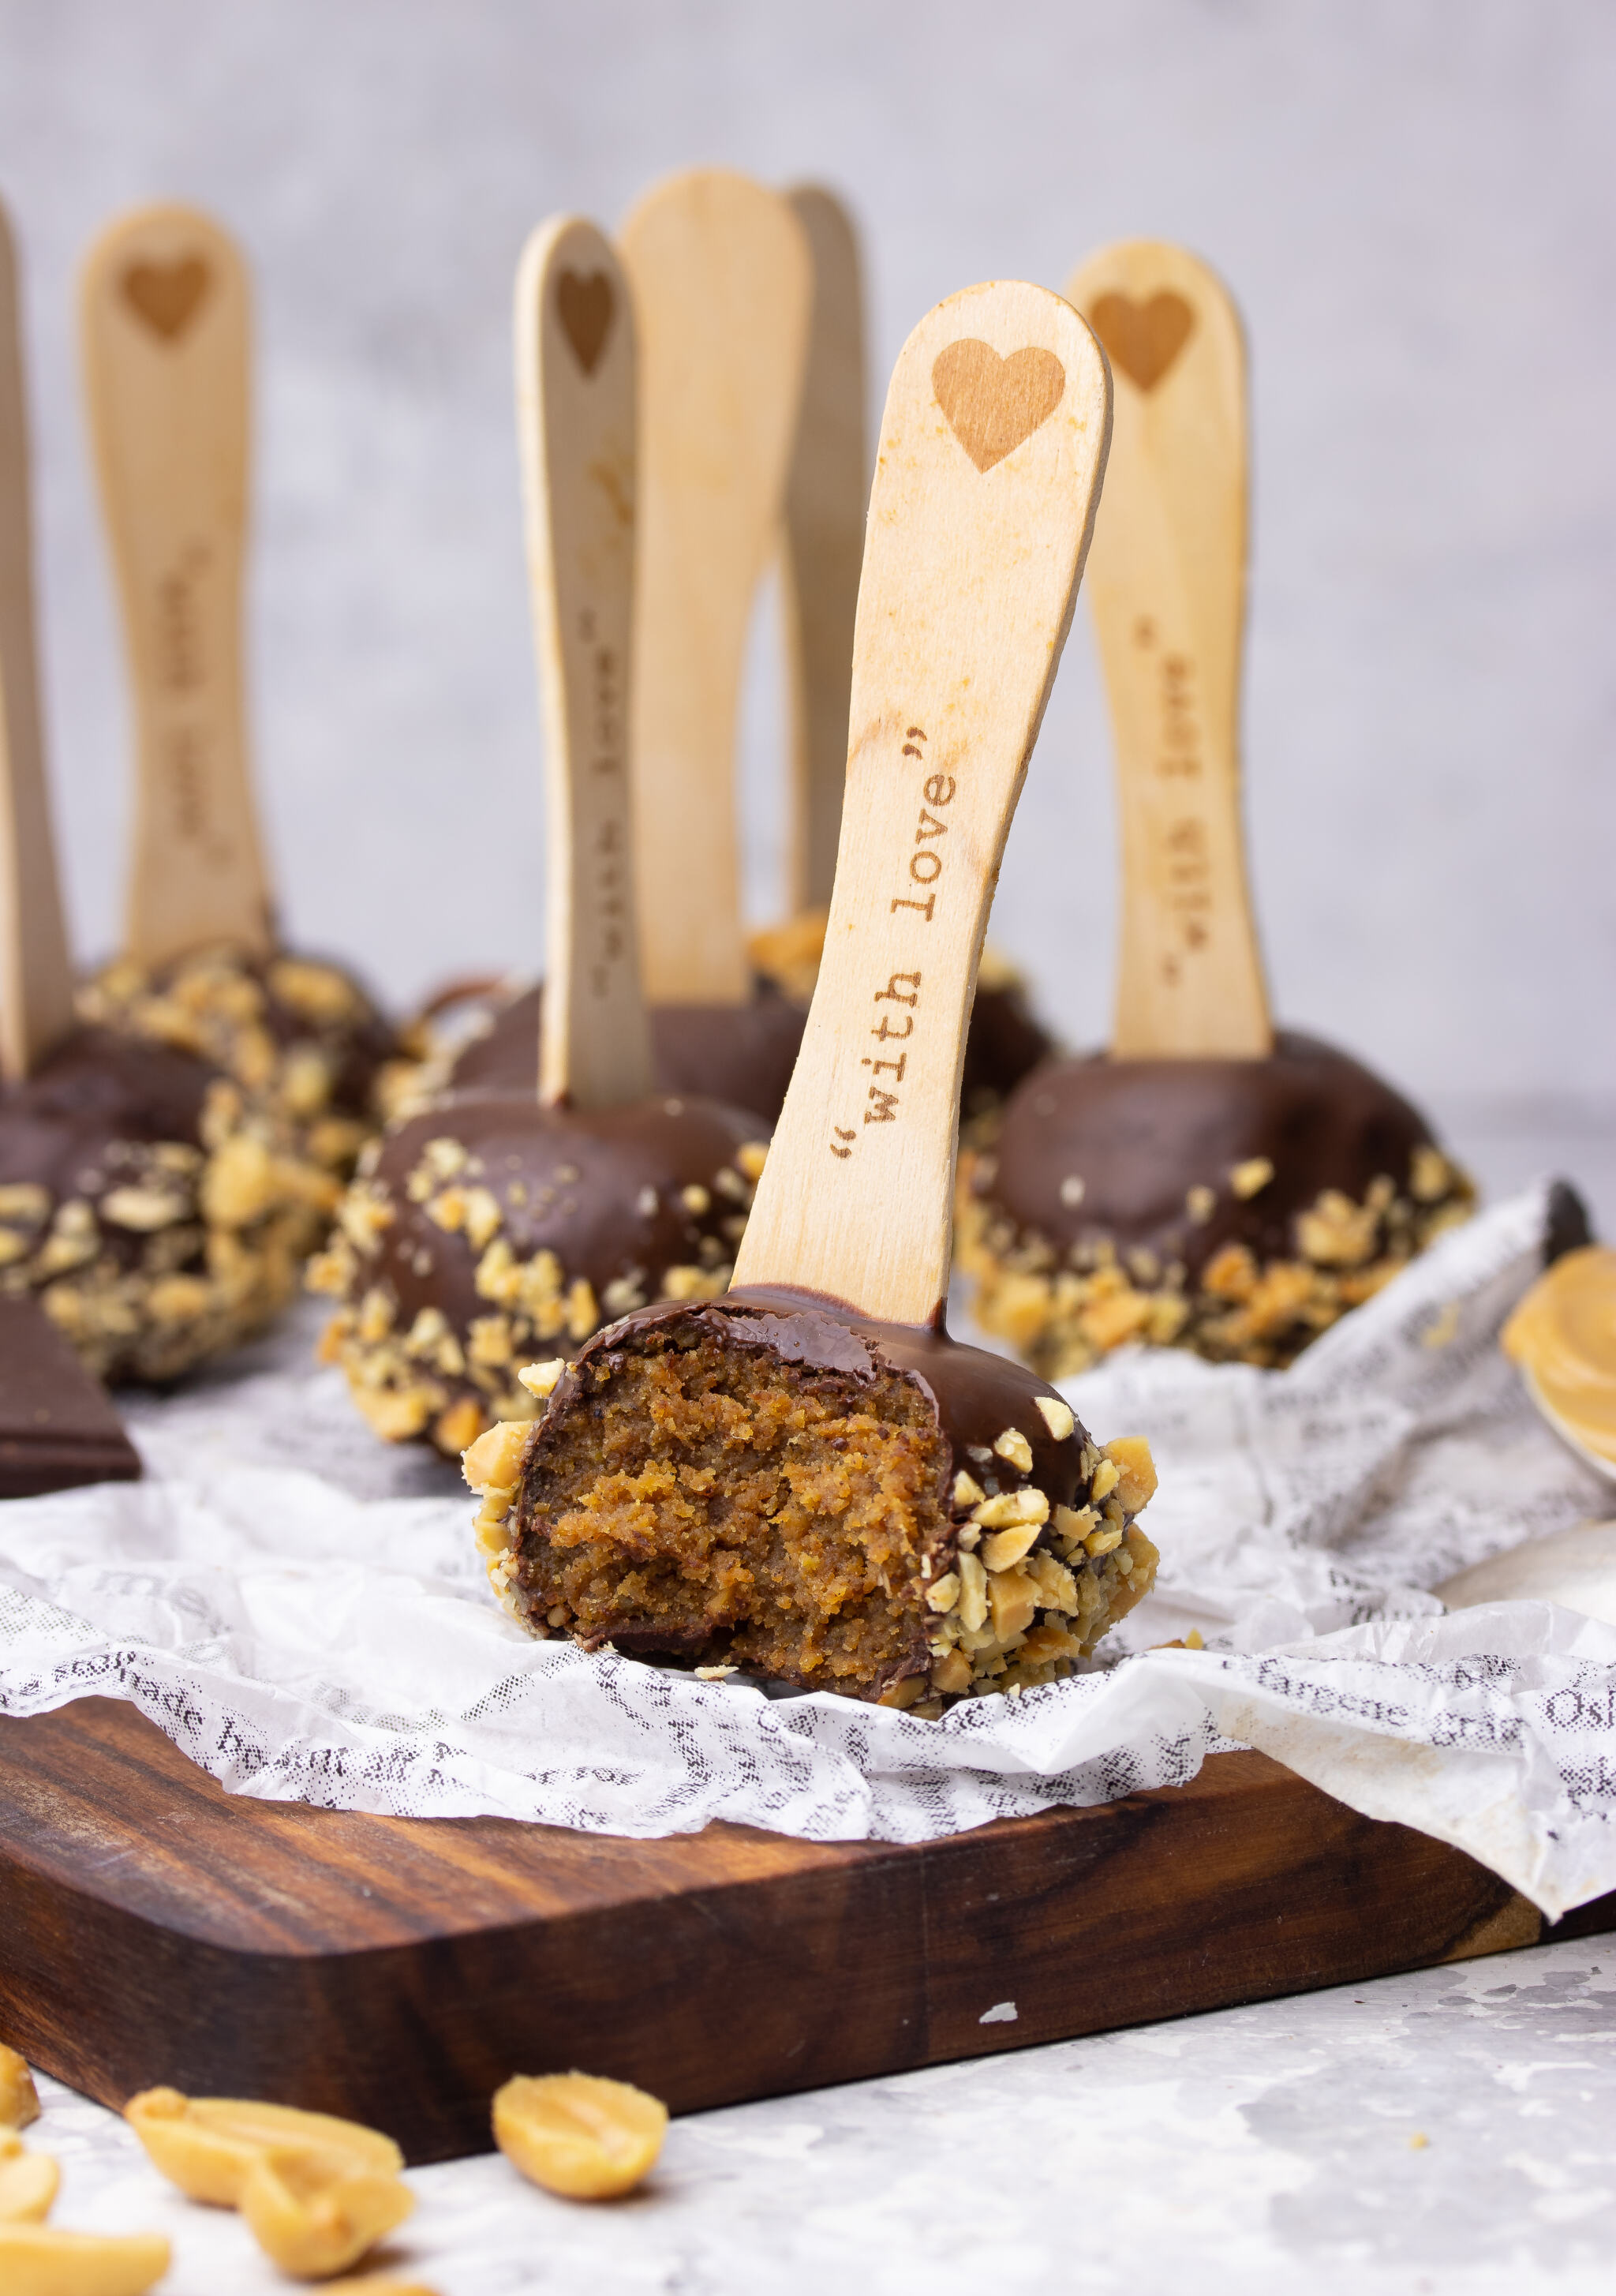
(1412, 201)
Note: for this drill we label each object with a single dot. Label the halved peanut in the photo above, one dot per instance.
(317, 2213)
(586, 2139)
(28, 2185)
(18, 2098)
(35, 2261)
(207, 2144)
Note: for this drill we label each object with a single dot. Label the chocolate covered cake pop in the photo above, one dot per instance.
(775, 1483)
(158, 1217)
(485, 1229)
(489, 1226)
(1235, 1207)
(1208, 1183)
(154, 1214)
(166, 357)
(299, 1035)
(808, 1478)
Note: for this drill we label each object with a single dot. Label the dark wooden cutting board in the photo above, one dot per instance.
(153, 1927)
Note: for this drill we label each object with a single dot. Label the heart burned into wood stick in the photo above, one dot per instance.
(994, 404)
(168, 296)
(1143, 339)
(584, 304)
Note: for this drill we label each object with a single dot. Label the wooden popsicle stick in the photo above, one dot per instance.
(36, 969)
(1167, 590)
(164, 320)
(826, 492)
(991, 447)
(722, 284)
(575, 414)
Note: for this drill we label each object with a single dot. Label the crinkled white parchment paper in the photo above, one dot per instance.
(302, 1612)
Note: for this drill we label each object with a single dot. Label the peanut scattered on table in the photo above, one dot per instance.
(18, 2098)
(27, 2181)
(586, 2139)
(35, 2261)
(317, 2213)
(208, 2145)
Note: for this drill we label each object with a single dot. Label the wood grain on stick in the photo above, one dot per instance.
(722, 284)
(826, 494)
(1167, 588)
(36, 969)
(165, 330)
(576, 415)
(991, 447)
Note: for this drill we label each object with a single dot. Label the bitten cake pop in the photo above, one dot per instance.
(809, 1479)
(823, 547)
(1207, 1183)
(491, 1225)
(721, 276)
(165, 323)
(154, 1214)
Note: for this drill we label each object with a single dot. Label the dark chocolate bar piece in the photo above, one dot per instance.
(57, 1429)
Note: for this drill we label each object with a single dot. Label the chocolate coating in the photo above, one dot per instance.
(1139, 1134)
(156, 1215)
(487, 1232)
(595, 1221)
(1237, 1208)
(740, 1056)
(76, 1126)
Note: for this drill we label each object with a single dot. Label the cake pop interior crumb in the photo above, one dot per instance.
(713, 1501)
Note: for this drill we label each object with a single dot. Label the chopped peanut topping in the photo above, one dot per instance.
(1057, 1415)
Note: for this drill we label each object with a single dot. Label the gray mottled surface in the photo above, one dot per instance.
(1412, 201)
(1254, 2152)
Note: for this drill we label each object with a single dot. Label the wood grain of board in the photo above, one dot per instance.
(36, 968)
(154, 1928)
(1166, 586)
(722, 281)
(575, 419)
(165, 328)
(992, 444)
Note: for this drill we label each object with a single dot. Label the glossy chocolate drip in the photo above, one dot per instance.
(977, 1396)
(603, 1189)
(740, 1056)
(1139, 1135)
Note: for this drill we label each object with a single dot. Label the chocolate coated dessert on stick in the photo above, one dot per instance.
(165, 308)
(720, 274)
(822, 551)
(1205, 1183)
(493, 1223)
(808, 1478)
(155, 1215)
